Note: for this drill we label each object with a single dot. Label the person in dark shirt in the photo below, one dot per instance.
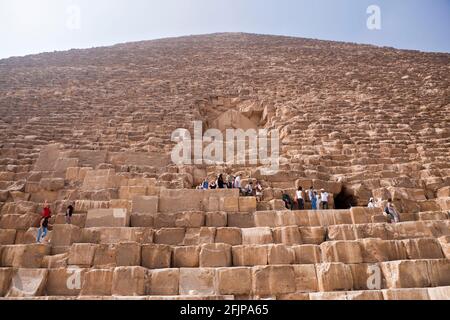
(43, 227)
(289, 204)
(69, 213)
(220, 182)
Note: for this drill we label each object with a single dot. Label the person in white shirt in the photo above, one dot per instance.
(324, 199)
(237, 182)
(259, 192)
(299, 198)
(371, 203)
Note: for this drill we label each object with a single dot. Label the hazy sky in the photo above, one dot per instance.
(33, 26)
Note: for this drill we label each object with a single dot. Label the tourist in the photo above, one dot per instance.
(213, 185)
(237, 182)
(220, 182)
(311, 194)
(324, 199)
(314, 199)
(248, 191)
(69, 213)
(299, 198)
(287, 201)
(205, 184)
(43, 226)
(259, 191)
(371, 203)
(391, 212)
(230, 181)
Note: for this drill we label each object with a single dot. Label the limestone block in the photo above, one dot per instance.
(64, 281)
(122, 254)
(266, 219)
(234, 281)
(280, 254)
(229, 204)
(215, 255)
(273, 280)
(143, 220)
(145, 204)
(19, 221)
(7, 236)
(216, 219)
(52, 184)
(198, 236)
(341, 251)
(190, 219)
(440, 293)
(423, 248)
(170, 236)
(406, 274)
(445, 245)
(287, 235)
(65, 235)
(156, 256)
(439, 272)
(24, 256)
(257, 236)
(307, 254)
(163, 282)
(186, 257)
(334, 277)
(55, 261)
(406, 294)
(312, 235)
(361, 215)
(250, 255)
(305, 278)
(6, 275)
(377, 250)
(232, 236)
(198, 281)
(247, 204)
(129, 281)
(241, 220)
(97, 282)
(82, 254)
(28, 283)
(107, 218)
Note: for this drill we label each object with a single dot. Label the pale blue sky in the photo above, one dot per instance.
(33, 26)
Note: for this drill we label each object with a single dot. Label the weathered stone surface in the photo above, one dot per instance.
(5, 280)
(232, 236)
(186, 257)
(287, 235)
(28, 283)
(156, 256)
(334, 277)
(82, 254)
(406, 294)
(122, 254)
(307, 254)
(280, 254)
(24, 256)
(129, 281)
(234, 281)
(97, 282)
(215, 255)
(145, 204)
(273, 280)
(108, 218)
(65, 235)
(406, 274)
(257, 236)
(164, 282)
(198, 281)
(170, 236)
(341, 251)
(250, 255)
(216, 219)
(64, 281)
(7, 236)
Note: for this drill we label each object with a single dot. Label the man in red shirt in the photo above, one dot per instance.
(43, 228)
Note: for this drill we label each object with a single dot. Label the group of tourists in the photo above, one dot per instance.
(318, 200)
(389, 210)
(45, 217)
(234, 182)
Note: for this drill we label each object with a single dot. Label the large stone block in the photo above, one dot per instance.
(266, 219)
(65, 235)
(198, 282)
(232, 236)
(377, 250)
(156, 256)
(171, 201)
(312, 235)
(190, 219)
(198, 236)
(234, 281)
(163, 282)
(305, 278)
(341, 251)
(334, 277)
(439, 272)
(445, 245)
(129, 281)
(186, 257)
(19, 221)
(144, 220)
(423, 248)
(441, 293)
(287, 235)
(118, 255)
(52, 184)
(28, 283)
(24, 256)
(216, 219)
(247, 204)
(82, 254)
(406, 294)
(361, 215)
(406, 274)
(108, 218)
(97, 282)
(170, 236)
(65, 281)
(273, 280)
(250, 255)
(215, 255)
(6, 275)
(307, 254)
(145, 204)
(241, 220)
(257, 236)
(229, 204)
(7, 236)
(280, 254)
